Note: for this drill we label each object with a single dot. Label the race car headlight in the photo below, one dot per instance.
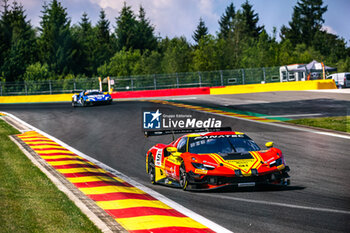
(279, 162)
(203, 166)
(276, 163)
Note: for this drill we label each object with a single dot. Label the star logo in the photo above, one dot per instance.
(151, 120)
(156, 115)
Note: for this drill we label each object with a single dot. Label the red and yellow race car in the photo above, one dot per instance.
(211, 160)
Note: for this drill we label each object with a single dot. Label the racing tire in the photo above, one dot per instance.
(83, 103)
(73, 104)
(151, 169)
(183, 181)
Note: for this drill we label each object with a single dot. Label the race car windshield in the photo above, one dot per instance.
(93, 93)
(221, 144)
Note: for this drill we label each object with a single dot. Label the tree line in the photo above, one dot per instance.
(58, 50)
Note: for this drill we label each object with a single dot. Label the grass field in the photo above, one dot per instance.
(341, 123)
(29, 202)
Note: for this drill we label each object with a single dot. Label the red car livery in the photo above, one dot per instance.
(213, 160)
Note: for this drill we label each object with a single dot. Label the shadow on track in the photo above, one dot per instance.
(258, 188)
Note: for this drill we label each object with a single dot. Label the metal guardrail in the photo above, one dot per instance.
(146, 82)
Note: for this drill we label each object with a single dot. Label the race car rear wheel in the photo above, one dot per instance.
(73, 103)
(183, 177)
(151, 169)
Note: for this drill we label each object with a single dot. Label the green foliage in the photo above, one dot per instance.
(251, 19)
(132, 33)
(35, 72)
(85, 46)
(200, 32)
(5, 32)
(304, 54)
(344, 65)
(126, 30)
(65, 52)
(261, 54)
(103, 71)
(226, 22)
(285, 53)
(103, 28)
(237, 42)
(151, 61)
(244, 46)
(102, 49)
(309, 39)
(123, 63)
(145, 33)
(207, 55)
(330, 46)
(306, 21)
(55, 42)
(177, 56)
(18, 44)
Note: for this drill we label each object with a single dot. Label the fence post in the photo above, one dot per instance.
(264, 73)
(200, 79)
(0, 88)
(177, 80)
(222, 78)
(25, 87)
(50, 87)
(74, 85)
(132, 84)
(243, 77)
(155, 82)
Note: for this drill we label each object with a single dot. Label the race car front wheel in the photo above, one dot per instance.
(183, 177)
(73, 103)
(151, 169)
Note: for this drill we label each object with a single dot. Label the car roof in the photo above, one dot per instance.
(214, 133)
(92, 90)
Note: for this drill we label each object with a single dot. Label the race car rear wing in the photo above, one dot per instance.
(184, 131)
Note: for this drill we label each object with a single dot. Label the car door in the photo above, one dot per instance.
(173, 161)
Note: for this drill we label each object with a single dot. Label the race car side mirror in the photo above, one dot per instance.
(171, 149)
(269, 144)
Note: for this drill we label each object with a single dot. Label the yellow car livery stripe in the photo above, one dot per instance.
(245, 165)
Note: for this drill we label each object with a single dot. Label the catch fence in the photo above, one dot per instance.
(146, 82)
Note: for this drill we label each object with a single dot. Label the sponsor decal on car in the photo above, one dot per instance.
(159, 157)
(200, 171)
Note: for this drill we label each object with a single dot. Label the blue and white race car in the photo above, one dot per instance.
(91, 97)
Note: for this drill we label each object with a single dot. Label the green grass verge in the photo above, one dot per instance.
(29, 201)
(341, 123)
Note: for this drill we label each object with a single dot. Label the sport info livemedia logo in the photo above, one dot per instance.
(157, 120)
(151, 120)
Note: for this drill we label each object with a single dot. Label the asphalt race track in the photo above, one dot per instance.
(318, 199)
(289, 104)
